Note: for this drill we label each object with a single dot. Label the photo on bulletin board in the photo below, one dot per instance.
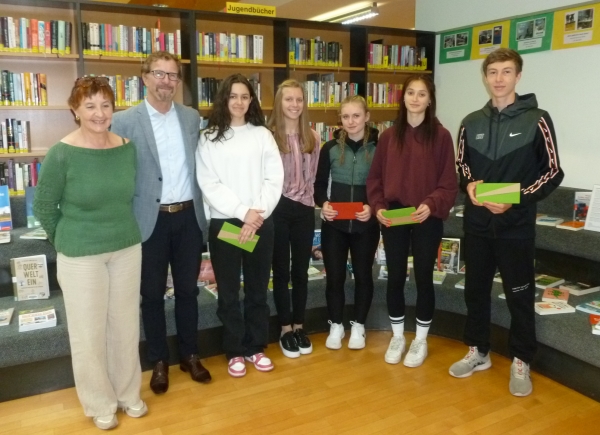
(455, 46)
(532, 34)
(489, 37)
(577, 27)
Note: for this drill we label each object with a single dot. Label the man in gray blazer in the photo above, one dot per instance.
(168, 207)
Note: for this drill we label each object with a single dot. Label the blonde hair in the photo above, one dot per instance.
(277, 121)
(356, 99)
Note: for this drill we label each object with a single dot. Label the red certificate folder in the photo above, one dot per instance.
(347, 210)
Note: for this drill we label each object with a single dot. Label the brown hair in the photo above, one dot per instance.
(503, 55)
(428, 129)
(357, 99)
(87, 87)
(277, 121)
(160, 55)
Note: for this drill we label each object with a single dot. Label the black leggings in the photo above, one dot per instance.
(362, 246)
(425, 240)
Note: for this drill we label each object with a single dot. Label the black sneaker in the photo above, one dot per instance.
(288, 345)
(303, 341)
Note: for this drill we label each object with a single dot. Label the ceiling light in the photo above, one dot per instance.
(358, 15)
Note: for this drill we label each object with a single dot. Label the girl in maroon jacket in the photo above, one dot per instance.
(413, 166)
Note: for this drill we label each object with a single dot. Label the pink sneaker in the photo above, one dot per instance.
(237, 367)
(261, 362)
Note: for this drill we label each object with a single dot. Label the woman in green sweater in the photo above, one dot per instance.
(84, 201)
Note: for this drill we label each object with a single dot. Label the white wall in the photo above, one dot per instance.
(566, 82)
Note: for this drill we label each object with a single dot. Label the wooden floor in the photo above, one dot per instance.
(330, 392)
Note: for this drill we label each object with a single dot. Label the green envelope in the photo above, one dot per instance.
(400, 216)
(502, 193)
(230, 233)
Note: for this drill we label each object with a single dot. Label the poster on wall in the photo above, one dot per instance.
(576, 27)
(455, 46)
(531, 34)
(489, 37)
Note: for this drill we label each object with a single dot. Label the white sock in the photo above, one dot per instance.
(422, 329)
(397, 326)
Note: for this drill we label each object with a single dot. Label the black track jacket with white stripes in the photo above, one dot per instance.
(516, 145)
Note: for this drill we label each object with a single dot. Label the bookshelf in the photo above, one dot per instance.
(52, 122)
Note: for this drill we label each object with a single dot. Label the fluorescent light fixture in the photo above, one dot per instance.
(358, 15)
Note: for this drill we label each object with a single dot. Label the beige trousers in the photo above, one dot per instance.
(102, 299)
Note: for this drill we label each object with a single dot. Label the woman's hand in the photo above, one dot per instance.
(364, 215)
(328, 212)
(246, 234)
(254, 219)
(421, 214)
(382, 219)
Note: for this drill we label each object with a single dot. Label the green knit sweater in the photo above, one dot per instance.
(84, 199)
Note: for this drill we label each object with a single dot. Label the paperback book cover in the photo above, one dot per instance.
(400, 216)
(448, 255)
(30, 320)
(5, 316)
(571, 225)
(501, 193)
(581, 205)
(438, 277)
(229, 233)
(346, 210)
(5, 215)
(549, 221)
(314, 273)
(212, 289)
(544, 281)
(30, 277)
(578, 288)
(37, 234)
(4, 236)
(316, 254)
(558, 307)
(592, 307)
(555, 294)
(460, 284)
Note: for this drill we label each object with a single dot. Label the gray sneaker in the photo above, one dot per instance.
(472, 362)
(520, 380)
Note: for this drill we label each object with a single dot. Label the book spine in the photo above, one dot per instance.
(48, 37)
(68, 33)
(61, 41)
(54, 36)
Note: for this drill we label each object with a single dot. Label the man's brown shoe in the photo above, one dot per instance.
(195, 368)
(159, 383)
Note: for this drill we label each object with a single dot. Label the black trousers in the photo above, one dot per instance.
(294, 228)
(425, 240)
(243, 334)
(515, 261)
(362, 246)
(177, 239)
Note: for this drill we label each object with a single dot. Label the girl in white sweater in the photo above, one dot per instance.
(241, 176)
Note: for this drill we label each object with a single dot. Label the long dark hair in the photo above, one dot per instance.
(428, 129)
(220, 118)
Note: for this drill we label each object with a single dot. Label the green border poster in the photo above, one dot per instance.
(532, 33)
(455, 46)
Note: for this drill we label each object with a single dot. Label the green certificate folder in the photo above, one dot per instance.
(230, 234)
(400, 216)
(501, 193)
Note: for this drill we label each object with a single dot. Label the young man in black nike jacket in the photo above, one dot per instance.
(510, 140)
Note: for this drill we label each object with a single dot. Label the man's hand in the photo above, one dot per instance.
(496, 208)
(471, 189)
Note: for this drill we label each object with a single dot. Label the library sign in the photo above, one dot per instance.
(249, 9)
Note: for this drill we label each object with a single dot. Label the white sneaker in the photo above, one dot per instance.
(395, 350)
(417, 353)
(520, 379)
(336, 333)
(472, 362)
(357, 336)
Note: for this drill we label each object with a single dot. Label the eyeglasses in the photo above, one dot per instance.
(87, 81)
(174, 77)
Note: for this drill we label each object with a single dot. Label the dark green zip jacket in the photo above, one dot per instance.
(516, 145)
(348, 178)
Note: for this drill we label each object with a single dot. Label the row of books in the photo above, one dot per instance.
(25, 35)
(323, 91)
(315, 52)
(23, 89)
(15, 136)
(207, 88)
(30, 320)
(326, 131)
(17, 176)
(128, 41)
(229, 47)
(384, 94)
(382, 56)
(581, 205)
(128, 91)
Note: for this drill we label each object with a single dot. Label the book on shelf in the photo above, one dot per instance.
(316, 255)
(438, 276)
(37, 234)
(592, 220)
(28, 35)
(386, 56)
(578, 288)
(314, 52)
(5, 316)
(18, 176)
(556, 307)
(229, 47)
(5, 213)
(581, 205)
(314, 273)
(380, 125)
(4, 237)
(322, 90)
(552, 294)
(23, 89)
(384, 94)
(31, 320)
(571, 225)
(549, 221)
(545, 281)
(448, 258)
(595, 323)
(324, 131)
(14, 136)
(30, 277)
(207, 90)
(592, 307)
